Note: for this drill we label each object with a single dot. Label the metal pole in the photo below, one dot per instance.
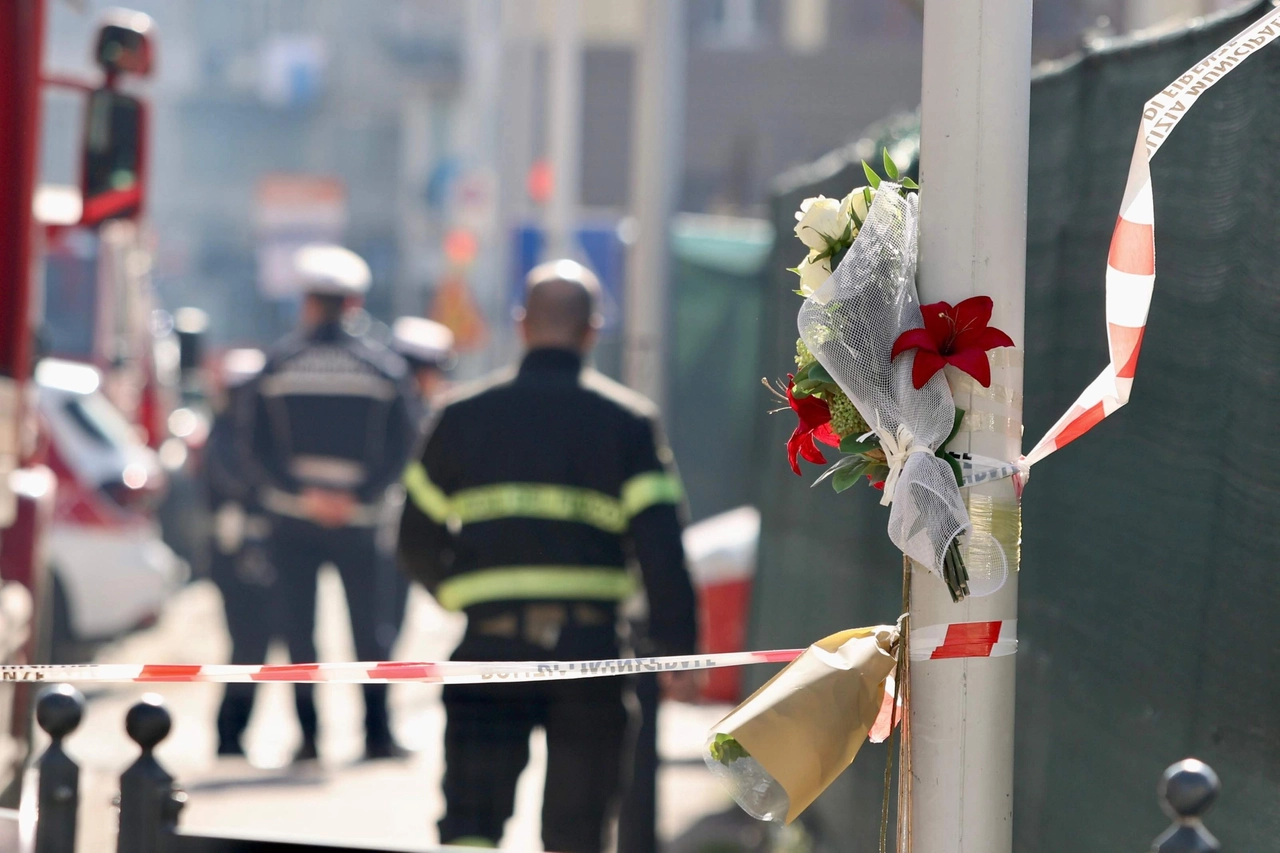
(21, 43)
(565, 132)
(974, 126)
(656, 168)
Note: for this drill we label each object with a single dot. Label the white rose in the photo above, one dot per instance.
(855, 205)
(820, 221)
(812, 274)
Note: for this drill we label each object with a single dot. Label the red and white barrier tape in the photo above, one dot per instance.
(965, 640)
(442, 672)
(1131, 263)
(934, 642)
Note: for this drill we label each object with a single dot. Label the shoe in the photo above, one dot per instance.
(230, 749)
(383, 750)
(306, 752)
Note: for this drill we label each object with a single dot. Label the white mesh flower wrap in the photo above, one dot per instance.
(850, 324)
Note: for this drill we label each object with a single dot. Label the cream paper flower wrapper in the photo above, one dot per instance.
(804, 727)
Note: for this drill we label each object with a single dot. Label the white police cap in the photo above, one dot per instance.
(423, 341)
(329, 270)
(241, 365)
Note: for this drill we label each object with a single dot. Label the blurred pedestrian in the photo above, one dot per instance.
(239, 565)
(329, 429)
(532, 495)
(427, 347)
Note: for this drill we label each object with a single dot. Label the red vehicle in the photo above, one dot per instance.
(112, 186)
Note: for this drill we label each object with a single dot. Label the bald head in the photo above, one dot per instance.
(561, 307)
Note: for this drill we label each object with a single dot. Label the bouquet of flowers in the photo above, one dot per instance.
(857, 388)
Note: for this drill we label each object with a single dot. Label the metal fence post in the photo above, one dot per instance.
(1187, 790)
(150, 800)
(58, 711)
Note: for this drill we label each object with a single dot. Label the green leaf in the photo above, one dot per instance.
(803, 373)
(798, 394)
(725, 749)
(842, 463)
(955, 428)
(853, 444)
(867, 196)
(872, 177)
(955, 469)
(810, 385)
(847, 478)
(890, 167)
(909, 184)
(817, 371)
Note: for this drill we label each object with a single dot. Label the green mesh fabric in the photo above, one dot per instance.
(1149, 590)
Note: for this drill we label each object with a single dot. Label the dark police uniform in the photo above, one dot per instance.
(330, 410)
(533, 498)
(239, 566)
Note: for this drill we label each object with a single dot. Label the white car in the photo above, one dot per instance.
(112, 572)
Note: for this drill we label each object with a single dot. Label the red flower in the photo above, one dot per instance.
(815, 422)
(953, 335)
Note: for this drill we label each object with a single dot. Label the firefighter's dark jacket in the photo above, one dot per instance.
(546, 484)
(329, 410)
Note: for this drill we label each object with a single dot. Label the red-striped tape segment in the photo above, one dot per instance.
(1131, 263)
(432, 672)
(965, 640)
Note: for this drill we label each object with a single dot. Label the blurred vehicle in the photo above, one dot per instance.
(112, 572)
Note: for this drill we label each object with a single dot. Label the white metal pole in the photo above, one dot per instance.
(656, 168)
(565, 131)
(974, 126)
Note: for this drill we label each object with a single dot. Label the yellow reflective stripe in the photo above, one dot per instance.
(426, 494)
(539, 500)
(542, 500)
(520, 583)
(648, 489)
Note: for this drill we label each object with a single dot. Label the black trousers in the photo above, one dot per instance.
(298, 550)
(589, 727)
(246, 580)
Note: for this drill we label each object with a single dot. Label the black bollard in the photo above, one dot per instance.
(1187, 790)
(149, 798)
(58, 711)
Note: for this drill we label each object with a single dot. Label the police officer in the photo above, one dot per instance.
(329, 429)
(533, 495)
(427, 347)
(239, 564)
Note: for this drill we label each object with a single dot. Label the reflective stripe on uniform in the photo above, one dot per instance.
(519, 583)
(426, 494)
(539, 500)
(649, 489)
(542, 500)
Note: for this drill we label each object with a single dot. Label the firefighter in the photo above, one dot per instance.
(329, 428)
(533, 496)
(239, 564)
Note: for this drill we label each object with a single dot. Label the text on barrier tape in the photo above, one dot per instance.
(439, 672)
(934, 642)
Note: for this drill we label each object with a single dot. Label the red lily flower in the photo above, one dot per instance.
(956, 335)
(815, 422)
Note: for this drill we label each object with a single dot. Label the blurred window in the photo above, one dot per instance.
(71, 294)
(99, 420)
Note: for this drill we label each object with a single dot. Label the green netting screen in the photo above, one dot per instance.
(1149, 593)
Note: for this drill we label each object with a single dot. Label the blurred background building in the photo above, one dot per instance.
(279, 120)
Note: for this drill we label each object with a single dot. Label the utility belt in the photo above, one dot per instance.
(290, 505)
(541, 623)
